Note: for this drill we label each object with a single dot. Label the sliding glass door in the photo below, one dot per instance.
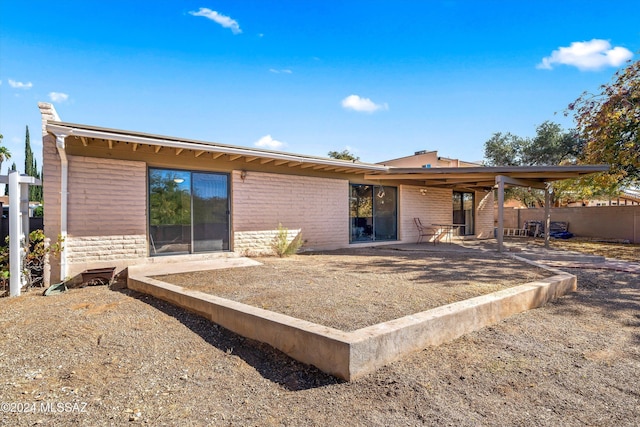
(463, 212)
(188, 212)
(210, 212)
(373, 212)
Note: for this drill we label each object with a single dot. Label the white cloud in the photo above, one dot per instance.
(268, 142)
(225, 21)
(587, 56)
(58, 96)
(356, 103)
(20, 85)
(284, 71)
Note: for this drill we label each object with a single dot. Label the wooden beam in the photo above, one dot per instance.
(265, 161)
(234, 157)
(520, 182)
(110, 144)
(280, 162)
(250, 159)
(157, 149)
(306, 165)
(179, 150)
(217, 155)
(199, 153)
(292, 164)
(84, 141)
(134, 146)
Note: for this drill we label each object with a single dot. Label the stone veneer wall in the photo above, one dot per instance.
(106, 214)
(318, 207)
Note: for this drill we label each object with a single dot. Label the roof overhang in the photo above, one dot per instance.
(480, 177)
(91, 134)
(486, 177)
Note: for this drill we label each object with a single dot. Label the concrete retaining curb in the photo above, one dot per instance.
(349, 355)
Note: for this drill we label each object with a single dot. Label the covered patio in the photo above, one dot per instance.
(489, 178)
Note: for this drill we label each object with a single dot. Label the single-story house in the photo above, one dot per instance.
(121, 198)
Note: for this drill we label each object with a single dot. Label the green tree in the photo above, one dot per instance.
(609, 122)
(6, 187)
(551, 146)
(343, 155)
(5, 154)
(31, 169)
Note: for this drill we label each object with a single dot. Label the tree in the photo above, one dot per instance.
(5, 154)
(609, 122)
(31, 169)
(551, 146)
(343, 155)
(6, 187)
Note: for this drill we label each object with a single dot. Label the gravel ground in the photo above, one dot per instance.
(96, 356)
(349, 290)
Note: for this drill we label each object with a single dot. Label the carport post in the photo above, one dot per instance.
(500, 231)
(547, 214)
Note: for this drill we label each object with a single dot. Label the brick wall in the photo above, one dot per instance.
(107, 219)
(432, 207)
(484, 215)
(319, 207)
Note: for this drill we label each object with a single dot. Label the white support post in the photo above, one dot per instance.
(64, 193)
(15, 235)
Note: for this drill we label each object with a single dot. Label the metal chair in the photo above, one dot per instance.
(425, 231)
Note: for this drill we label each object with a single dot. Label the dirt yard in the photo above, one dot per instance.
(96, 356)
(349, 290)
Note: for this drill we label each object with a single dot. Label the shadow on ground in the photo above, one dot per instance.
(272, 364)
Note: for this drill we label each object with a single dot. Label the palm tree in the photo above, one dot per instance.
(5, 154)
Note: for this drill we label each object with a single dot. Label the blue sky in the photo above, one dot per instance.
(380, 78)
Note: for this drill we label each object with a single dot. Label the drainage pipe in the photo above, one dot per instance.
(64, 185)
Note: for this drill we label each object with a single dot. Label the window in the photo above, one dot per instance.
(373, 211)
(188, 212)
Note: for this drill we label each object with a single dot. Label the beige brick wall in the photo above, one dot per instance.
(51, 196)
(484, 215)
(319, 207)
(434, 206)
(107, 219)
(106, 197)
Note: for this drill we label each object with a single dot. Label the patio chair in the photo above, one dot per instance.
(425, 231)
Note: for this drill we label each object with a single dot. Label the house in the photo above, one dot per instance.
(121, 198)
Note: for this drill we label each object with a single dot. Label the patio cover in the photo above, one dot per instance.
(487, 178)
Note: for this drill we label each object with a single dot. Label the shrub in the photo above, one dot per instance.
(33, 266)
(281, 244)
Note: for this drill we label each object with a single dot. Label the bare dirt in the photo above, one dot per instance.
(96, 356)
(352, 289)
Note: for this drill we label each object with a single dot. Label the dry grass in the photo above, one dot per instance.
(349, 290)
(136, 360)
